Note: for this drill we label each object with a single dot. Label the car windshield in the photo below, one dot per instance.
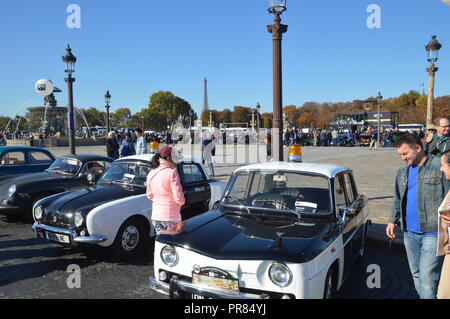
(66, 165)
(279, 191)
(126, 173)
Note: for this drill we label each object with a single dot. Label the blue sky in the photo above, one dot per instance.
(137, 47)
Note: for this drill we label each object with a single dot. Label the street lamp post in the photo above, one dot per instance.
(432, 48)
(277, 7)
(379, 99)
(107, 101)
(69, 61)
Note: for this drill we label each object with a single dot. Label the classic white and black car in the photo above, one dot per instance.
(70, 172)
(281, 231)
(116, 212)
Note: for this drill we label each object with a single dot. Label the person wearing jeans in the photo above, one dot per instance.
(420, 187)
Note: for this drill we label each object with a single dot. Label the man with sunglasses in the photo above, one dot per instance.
(441, 141)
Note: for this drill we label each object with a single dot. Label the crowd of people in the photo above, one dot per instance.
(345, 137)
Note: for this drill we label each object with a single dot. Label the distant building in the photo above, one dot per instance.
(357, 121)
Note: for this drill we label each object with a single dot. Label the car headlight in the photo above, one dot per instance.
(11, 191)
(280, 274)
(169, 256)
(38, 212)
(78, 219)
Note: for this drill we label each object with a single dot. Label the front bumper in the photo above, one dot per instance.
(5, 207)
(177, 285)
(40, 230)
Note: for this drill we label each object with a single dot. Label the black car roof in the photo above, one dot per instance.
(89, 157)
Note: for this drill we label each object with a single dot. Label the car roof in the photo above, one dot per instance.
(89, 157)
(328, 170)
(22, 148)
(148, 158)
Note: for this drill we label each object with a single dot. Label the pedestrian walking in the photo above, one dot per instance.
(419, 190)
(165, 191)
(441, 141)
(127, 146)
(2, 140)
(141, 143)
(41, 140)
(444, 231)
(374, 140)
(207, 147)
(112, 146)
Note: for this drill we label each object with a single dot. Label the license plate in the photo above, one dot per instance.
(57, 237)
(230, 286)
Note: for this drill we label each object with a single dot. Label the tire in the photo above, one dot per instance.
(130, 240)
(28, 212)
(329, 291)
(362, 251)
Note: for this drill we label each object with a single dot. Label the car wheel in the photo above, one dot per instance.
(362, 251)
(28, 212)
(130, 239)
(329, 290)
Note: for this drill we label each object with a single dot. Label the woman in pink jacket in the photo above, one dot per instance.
(165, 190)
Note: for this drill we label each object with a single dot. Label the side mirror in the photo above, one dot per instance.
(91, 178)
(216, 205)
(346, 212)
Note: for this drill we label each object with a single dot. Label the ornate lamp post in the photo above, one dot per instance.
(69, 61)
(432, 48)
(379, 99)
(277, 7)
(107, 101)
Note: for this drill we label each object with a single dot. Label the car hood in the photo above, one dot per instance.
(83, 200)
(32, 178)
(237, 237)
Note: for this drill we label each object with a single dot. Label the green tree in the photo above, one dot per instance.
(121, 117)
(94, 117)
(164, 109)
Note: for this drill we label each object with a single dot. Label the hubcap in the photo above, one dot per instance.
(130, 238)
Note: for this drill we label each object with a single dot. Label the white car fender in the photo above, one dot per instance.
(105, 220)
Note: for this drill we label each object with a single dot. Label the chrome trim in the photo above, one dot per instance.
(193, 289)
(74, 238)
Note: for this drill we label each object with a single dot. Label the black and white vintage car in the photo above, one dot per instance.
(281, 230)
(116, 212)
(70, 172)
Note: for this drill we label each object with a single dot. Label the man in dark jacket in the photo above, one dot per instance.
(420, 188)
(112, 146)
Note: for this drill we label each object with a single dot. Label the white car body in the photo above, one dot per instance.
(309, 278)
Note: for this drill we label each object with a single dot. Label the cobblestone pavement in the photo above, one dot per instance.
(34, 268)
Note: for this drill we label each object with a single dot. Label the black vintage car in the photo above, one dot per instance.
(116, 213)
(70, 172)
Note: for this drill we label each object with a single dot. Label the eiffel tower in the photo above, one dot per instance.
(205, 98)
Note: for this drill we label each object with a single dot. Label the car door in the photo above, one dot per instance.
(12, 163)
(357, 205)
(345, 197)
(38, 161)
(196, 187)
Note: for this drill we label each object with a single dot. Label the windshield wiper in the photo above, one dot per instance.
(241, 204)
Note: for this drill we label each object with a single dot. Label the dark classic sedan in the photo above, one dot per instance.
(20, 160)
(281, 230)
(70, 172)
(116, 213)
